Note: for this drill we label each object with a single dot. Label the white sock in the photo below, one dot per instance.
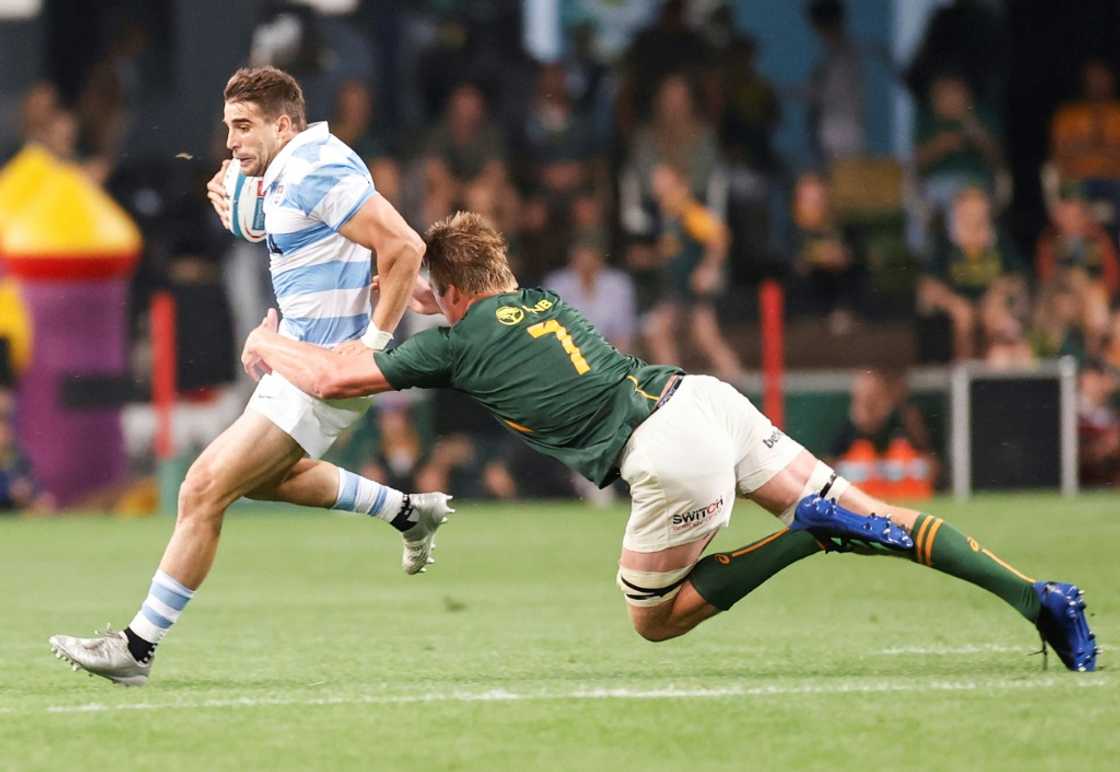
(165, 602)
(369, 497)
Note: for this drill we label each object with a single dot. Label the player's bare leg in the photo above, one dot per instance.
(309, 483)
(1056, 609)
(688, 609)
(250, 454)
(254, 458)
(314, 483)
(680, 614)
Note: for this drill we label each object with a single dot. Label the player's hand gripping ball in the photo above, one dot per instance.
(246, 203)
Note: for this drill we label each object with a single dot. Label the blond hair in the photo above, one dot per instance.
(274, 91)
(465, 250)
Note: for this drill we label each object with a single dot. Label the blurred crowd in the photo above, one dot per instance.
(637, 174)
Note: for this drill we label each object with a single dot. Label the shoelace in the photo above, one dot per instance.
(109, 632)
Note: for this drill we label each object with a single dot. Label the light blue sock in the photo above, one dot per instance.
(167, 598)
(368, 497)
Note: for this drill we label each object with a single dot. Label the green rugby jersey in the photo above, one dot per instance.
(543, 371)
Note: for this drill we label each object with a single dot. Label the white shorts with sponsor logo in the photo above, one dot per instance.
(314, 423)
(685, 463)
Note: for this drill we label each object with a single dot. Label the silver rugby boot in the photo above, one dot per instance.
(105, 655)
(432, 510)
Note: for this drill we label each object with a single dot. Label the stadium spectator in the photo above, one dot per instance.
(679, 136)
(355, 123)
(386, 442)
(111, 93)
(836, 112)
(60, 136)
(1057, 329)
(882, 431)
(956, 146)
(1085, 136)
(590, 81)
(401, 450)
(747, 108)
(666, 47)
(558, 159)
(1098, 425)
(1005, 316)
(37, 107)
(496, 470)
(557, 144)
(39, 120)
(465, 157)
(825, 262)
(1075, 242)
(747, 114)
(547, 244)
(1005, 335)
(19, 489)
(475, 457)
(451, 453)
(1078, 251)
(461, 456)
(1112, 342)
(603, 294)
(974, 266)
(968, 37)
(587, 215)
(46, 122)
(692, 249)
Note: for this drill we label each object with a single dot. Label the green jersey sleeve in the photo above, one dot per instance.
(424, 361)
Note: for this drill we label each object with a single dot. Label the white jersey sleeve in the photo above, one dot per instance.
(332, 193)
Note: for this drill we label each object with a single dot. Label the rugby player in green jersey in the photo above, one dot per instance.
(687, 445)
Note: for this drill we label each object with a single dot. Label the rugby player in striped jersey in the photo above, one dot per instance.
(325, 224)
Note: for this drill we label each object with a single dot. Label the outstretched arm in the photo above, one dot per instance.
(317, 371)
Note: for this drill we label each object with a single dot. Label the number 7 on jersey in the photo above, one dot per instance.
(553, 327)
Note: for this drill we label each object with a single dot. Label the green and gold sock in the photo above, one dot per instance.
(724, 578)
(941, 546)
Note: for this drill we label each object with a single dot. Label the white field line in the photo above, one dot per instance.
(665, 693)
(968, 648)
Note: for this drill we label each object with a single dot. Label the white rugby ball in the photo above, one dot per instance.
(246, 203)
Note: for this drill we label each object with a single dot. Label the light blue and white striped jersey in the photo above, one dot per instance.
(313, 186)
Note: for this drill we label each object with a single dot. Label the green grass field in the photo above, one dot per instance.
(309, 649)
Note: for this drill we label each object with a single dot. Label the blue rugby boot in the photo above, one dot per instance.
(1061, 623)
(845, 531)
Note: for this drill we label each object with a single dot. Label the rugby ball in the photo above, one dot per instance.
(246, 203)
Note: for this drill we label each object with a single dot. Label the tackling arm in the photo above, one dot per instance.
(317, 371)
(399, 249)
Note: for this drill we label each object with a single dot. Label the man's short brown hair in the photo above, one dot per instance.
(464, 249)
(274, 91)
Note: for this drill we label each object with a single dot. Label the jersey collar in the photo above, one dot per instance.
(482, 300)
(315, 132)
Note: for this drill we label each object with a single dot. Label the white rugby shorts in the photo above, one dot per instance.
(314, 423)
(686, 462)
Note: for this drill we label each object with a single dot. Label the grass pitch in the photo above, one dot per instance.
(308, 649)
